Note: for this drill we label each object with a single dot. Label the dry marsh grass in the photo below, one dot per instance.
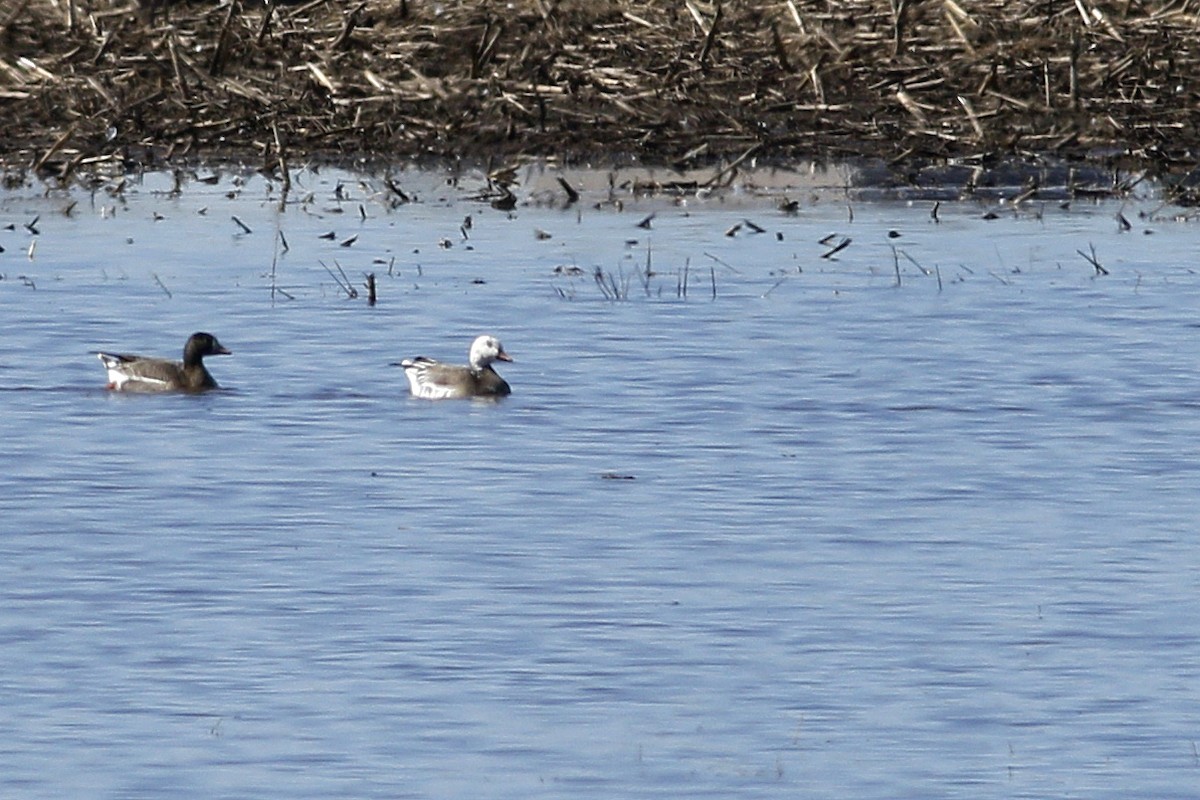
(680, 82)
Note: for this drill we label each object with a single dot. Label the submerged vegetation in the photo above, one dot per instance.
(680, 82)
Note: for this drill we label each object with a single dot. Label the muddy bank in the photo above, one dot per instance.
(914, 85)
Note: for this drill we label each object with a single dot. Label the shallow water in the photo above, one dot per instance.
(820, 535)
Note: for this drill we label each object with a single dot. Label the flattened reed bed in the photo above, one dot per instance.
(679, 82)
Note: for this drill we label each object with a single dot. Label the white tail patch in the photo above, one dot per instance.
(118, 376)
(422, 384)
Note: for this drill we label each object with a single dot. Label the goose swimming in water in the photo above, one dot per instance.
(129, 373)
(434, 380)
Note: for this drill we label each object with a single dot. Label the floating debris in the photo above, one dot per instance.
(837, 248)
(507, 201)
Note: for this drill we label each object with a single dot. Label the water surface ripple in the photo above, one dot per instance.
(822, 535)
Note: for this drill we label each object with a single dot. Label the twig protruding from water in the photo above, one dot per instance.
(648, 272)
(286, 178)
(572, 195)
(724, 264)
(340, 278)
(401, 196)
(609, 287)
(1093, 260)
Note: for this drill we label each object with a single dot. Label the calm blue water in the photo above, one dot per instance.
(821, 536)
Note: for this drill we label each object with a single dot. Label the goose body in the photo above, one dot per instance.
(132, 373)
(433, 380)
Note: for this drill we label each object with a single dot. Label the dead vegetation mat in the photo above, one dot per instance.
(677, 82)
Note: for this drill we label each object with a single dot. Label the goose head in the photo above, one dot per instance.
(486, 349)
